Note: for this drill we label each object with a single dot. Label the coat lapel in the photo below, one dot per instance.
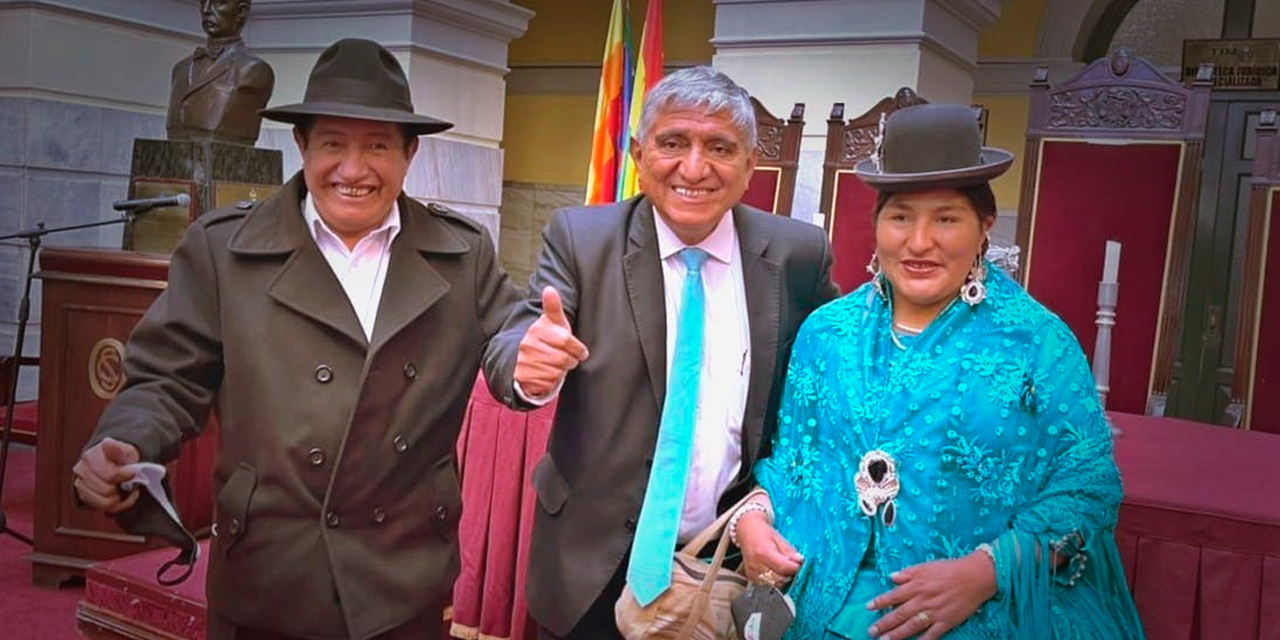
(220, 66)
(642, 268)
(412, 283)
(762, 279)
(305, 282)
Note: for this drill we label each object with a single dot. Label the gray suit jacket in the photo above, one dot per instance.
(604, 262)
(336, 491)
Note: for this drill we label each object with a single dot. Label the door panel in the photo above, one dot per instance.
(1201, 389)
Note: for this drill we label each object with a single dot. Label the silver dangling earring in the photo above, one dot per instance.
(873, 268)
(974, 290)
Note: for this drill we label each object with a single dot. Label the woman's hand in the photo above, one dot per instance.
(934, 597)
(767, 557)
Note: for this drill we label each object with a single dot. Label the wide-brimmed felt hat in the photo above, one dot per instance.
(356, 78)
(932, 146)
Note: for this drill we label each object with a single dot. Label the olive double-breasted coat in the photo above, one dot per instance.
(336, 490)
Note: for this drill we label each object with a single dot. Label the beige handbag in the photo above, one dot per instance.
(696, 606)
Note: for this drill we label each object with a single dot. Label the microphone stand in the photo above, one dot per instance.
(33, 238)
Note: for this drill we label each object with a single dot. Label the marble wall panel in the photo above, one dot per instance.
(111, 189)
(12, 126)
(60, 199)
(10, 200)
(119, 129)
(60, 135)
(455, 171)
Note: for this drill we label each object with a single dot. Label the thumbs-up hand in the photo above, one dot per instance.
(99, 474)
(549, 350)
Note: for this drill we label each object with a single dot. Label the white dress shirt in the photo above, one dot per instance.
(361, 270)
(726, 365)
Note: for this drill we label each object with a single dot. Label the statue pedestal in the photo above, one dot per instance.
(214, 174)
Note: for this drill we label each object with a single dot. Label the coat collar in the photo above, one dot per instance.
(306, 284)
(276, 226)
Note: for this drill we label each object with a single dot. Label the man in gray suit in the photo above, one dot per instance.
(609, 279)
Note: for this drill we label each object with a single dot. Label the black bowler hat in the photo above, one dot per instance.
(932, 146)
(360, 79)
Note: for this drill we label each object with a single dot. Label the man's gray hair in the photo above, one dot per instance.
(700, 89)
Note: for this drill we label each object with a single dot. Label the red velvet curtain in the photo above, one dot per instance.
(1088, 194)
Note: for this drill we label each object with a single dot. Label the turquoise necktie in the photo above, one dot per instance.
(649, 572)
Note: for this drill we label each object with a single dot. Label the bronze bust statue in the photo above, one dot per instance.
(217, 91)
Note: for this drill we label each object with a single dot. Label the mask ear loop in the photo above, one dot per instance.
(149, 476)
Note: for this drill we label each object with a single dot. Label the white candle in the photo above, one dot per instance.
(1111, 267)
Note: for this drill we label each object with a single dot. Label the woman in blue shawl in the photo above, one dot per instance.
(942, 467)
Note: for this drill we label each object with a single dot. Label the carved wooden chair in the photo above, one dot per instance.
(1114, 153)
(773, 184)
(1255, 390)
(846, 201)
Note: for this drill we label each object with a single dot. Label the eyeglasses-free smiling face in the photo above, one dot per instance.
(354, 170)
(927, 242)
(693, 167)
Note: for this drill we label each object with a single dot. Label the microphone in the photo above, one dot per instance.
(146, 204)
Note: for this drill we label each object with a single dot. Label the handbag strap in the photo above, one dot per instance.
(703, 598)
(716, 528)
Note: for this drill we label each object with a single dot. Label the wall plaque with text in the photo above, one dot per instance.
(1237, 64)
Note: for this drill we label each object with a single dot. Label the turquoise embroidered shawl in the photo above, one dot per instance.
(993, 419)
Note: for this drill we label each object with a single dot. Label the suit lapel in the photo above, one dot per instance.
(220, 66)
(763, 284)
(642, 267)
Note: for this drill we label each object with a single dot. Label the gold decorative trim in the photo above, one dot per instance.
(106, 368)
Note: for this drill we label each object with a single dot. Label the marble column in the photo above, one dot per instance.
(820, 52)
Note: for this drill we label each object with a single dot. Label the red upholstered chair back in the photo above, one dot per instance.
(773, 185)
(846, 201)
(1114, 154)
(1255, 391)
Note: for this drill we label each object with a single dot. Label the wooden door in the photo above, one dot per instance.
(1204, 364)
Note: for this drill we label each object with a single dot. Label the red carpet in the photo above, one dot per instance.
(27, 612)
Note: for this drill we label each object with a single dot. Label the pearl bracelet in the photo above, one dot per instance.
(986, 548)
(742, 511)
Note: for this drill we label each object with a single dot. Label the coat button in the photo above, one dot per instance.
(233, 527)
(379, 516)
(648, 464)
(315, 456)
(331, 518)
(631, 524)
(324, 374)
(401, 445)
(410, 371)
(442, 513)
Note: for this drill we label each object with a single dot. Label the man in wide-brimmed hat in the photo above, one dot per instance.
(336, 327)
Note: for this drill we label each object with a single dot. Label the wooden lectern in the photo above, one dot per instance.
(92, 300)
